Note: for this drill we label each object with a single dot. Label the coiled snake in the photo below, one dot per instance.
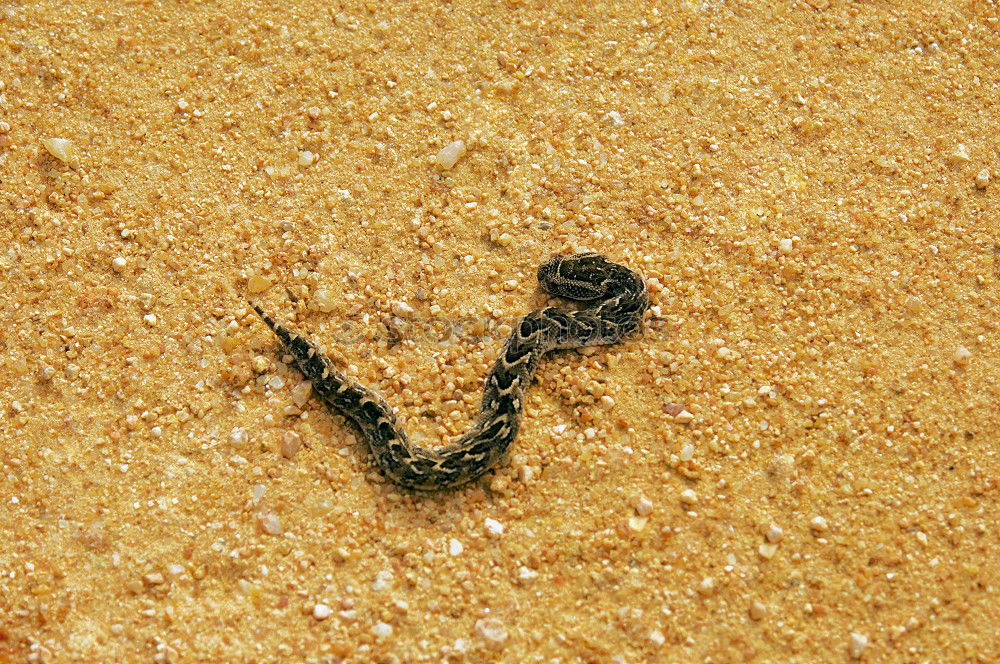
(617, 299)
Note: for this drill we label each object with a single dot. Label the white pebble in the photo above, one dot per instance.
(707, 586)
(643, 506)
(858, 644)
(118, 264)
(270, 523)
(607, 403)
(962, 354)
(455, 547)
(983, 178)
(526, 574)
(383, 580)
(491, 630)
(960, 155)
(687, 452)
(306, 158)
(257, 494)
(494, 528)
(689, 497)
(683, 417)
(774, 533)
(656, 638)
(238, 437)
(150, 319)
(785, 245)
(382, 630)
(450, 154)
(818, 524)
(321, 612)
(60, 148)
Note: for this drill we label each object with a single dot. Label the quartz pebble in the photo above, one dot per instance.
(818, 524)
(118, 264)
(60, 148)
(707, 586)
(683, 417)
(306, 158)
(962, 354)
(401, 309)
(687, 452)
(493, 528)
(324, 300)
(643, 506)
(656, 638)
(257, 284)
(491, 630)
(269, 523)
(321, 612)
(858, 644)
(757, 610)
(689, 497)
(455, 547)
(450, 154)
(774, 533)
(785, 245)
(290, 444)
(382, 630)
(983, 178)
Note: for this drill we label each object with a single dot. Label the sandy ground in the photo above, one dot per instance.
(796, 462)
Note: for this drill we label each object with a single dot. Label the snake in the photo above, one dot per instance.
(613, 299)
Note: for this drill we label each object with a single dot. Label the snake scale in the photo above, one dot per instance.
(615, 298)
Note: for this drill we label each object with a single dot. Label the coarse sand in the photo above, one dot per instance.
(796, 461)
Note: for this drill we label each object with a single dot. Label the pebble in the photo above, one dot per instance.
(450, 154)
(683, 417)
(689, 497)
(306, 158)
(962, 354)
(706, 587)
(290, 444)
(774, 533)
(118, 264)
(757, 610)
(153, 579)
(767, 551)
(858, 644)
(643, 506)
(257, 284)
(607, 403)
(687, 452)
(270, 523)
(818, 524)
(402, 309)
(325, 300)
(455, 547)
(321, 612)
(526, 574)
(959, 155)
(60, 148)
(491, 630)
(382, 630)
(983, 178)
(656, 638)
(494, 528)
(150, 319)
(785, 245)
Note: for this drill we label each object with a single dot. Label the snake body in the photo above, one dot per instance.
(617, 299)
